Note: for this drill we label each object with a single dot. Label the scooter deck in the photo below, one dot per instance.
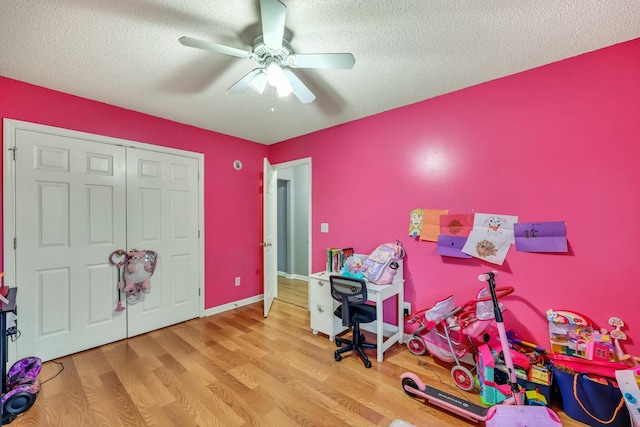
(436, 396)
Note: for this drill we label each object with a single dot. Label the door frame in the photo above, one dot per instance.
(291, 164)
(9, 196)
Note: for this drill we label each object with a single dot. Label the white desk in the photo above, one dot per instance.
(322, 306)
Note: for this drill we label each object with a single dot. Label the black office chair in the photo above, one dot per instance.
(352, 293)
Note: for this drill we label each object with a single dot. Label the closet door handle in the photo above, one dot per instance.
(263, 244)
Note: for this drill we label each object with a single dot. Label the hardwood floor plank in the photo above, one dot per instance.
(201, 389)
(75, 397)
(308, 366)
(187, 400)
(157, 395)
(348, 409)
(304, 412)
(97, 395)
(293, 291)
(249, 375)
(248, 405)
(254, 345)
(276, 417)
(121, 400)
(237, 369)
(179, 417)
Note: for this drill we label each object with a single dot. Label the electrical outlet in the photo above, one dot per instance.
(237, 281)
(407, 309)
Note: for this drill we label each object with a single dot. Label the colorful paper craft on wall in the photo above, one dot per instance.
(431, 224)
(541, 236)
(415, 222)
(456, 224)
(491, 237)
(451, 246)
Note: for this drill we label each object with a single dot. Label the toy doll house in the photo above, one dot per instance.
(572, 334)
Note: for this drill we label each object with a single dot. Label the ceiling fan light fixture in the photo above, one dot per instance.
(284, 88)
(275, 75)
(259, 82)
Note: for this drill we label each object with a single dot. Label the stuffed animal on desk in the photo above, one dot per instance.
(352, 268)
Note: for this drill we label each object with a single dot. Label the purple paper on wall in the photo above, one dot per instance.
(541, 236)
(451, 246)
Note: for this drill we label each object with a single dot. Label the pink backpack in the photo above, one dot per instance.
(381, 266)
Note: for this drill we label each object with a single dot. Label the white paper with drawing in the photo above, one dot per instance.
(491, 237)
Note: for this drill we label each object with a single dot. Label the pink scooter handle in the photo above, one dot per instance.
(486, 276)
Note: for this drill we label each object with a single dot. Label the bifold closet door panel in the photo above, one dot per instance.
(70, 215)
(162, 215)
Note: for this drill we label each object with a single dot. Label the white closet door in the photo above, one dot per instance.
(70, 215)
(162, 215)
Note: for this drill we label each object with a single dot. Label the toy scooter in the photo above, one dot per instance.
(497, 415)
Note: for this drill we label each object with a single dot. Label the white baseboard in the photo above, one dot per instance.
(230, 306)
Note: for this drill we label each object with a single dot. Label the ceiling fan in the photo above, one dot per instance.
(275, 57)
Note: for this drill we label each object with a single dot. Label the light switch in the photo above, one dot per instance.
(324, 227)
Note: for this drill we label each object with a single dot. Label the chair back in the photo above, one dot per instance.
(349, 291)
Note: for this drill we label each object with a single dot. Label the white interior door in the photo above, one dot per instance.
(70, 215)
(70, 200)
(162, 215)
(270, 251)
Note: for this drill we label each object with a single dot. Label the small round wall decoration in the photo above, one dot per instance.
(237, 165)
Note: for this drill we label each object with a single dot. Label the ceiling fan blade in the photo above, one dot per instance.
(322, 60)
(218, 48)
(272, 13)
(243, 83)
(299, 89)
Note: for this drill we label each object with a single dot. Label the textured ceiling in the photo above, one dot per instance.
(126, 53)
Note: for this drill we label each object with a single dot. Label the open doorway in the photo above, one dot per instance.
(294, 231)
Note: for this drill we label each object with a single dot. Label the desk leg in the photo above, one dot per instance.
(379, 327)
(401, 314)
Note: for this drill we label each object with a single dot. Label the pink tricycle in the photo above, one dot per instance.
(450, 333)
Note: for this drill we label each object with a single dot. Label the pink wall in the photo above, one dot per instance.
(233, 203)
(558, 143)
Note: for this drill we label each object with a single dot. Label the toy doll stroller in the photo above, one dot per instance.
(450, 333)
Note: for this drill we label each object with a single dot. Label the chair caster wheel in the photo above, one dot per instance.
(338, 357)
(338, 344)
(367, 364)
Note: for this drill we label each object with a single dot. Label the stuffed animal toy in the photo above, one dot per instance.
(137, 273)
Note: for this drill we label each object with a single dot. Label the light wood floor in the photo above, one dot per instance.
(236, 369)
(293, 291)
